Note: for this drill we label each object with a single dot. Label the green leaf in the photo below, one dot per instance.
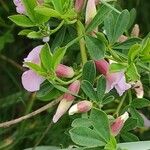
(89, 71)
(47, 12)
(141, 145)
(34, 16)
(117, 67)
(121, 25)
(100, 123)
(130, 124)
(102, 13)
(81, 122)
(36, 68)
(59, 38)
(47, 92)
(58, 56)
(96, 48)
(46, 57)
(21, 20)
(129, 137)
(127, 44)
(109, 26)
(89, 90)
(35, 35)
(133, 52)
(58, 5)
(107, 100)
(101, 87)
(44, 148)
(135, 114)
(140, 103)
(132, 18)
(25, 32)
(112, 144)
(132, 72)
(85, 137)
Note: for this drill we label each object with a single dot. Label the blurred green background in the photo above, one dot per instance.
(15, 102)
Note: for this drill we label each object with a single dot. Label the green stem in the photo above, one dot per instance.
(68, 82)
(111, 7)
(130, 96)
(120, 105)
(57, 28)
(82, 44)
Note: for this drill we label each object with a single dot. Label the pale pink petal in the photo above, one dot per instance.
(122, 86)
(20, 9)
(112, 79)
(31, 81)
(17, 2)
(34, 55)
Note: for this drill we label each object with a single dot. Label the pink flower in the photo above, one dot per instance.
(31, 81)
(113, 80)
(90, 11)
(19, 6)
(67, 100)
(64, 71)
(80, 107)
(79, 5)
(117, 125)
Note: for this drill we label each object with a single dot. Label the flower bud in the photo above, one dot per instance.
(73, 88)
(135, 31)
(16, 2)
(81, 107)
(90, 11)
(46, 39)
(64, 71)
(117, 125)
(102, 66)
(67, 100)
(122, 38)
(79, 5)
(138, 87)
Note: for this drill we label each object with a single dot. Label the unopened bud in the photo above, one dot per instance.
(102, 66)
(46, 39)
(135, 31)
(74, 89)
(138, 87)
(67, 100)
(64, 71)
(79, 5)
(122, 38)
(117, 125)
(63, 106)
(90, 11)
(81, 107)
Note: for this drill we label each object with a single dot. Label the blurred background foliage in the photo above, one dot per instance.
(15, 102)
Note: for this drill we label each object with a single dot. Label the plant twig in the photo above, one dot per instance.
(15, 121)
(13, 63)
(43, 135)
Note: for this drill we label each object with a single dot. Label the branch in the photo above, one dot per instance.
(12, 122)
(13, 63)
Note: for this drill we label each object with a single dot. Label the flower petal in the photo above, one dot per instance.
(112, 79)
(31, 81)
(122, 86)
(33, 56)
